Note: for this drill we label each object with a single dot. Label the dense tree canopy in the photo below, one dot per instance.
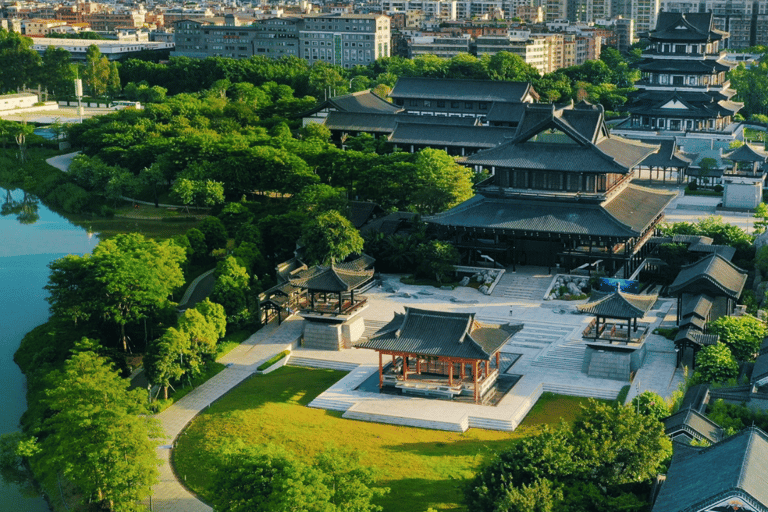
(742, 335)
(329, 238)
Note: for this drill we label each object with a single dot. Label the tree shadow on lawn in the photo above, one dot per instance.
(288, 385)
(482, 449)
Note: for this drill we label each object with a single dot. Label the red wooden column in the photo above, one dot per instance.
(450, 373)
(418, 365)
(497, 360)
(405, 367)
(474, 376)
(463, 369)
(381, 371)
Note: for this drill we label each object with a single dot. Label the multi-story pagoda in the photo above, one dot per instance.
(684, 86)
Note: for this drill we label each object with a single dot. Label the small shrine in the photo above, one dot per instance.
(441, 354)
(744, 181)
(614, 338)
(330, 305)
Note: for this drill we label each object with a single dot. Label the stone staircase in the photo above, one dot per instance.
(371, 327)
(524, 287)
(565, 355)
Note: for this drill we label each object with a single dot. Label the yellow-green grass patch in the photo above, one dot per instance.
(423, 468)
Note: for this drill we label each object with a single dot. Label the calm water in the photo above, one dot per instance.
(30, 238)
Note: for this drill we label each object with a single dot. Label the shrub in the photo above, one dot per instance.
(719, 188)
(651, 404)
(742, 335)
(266, 364)
(715, 363)
(693, 186)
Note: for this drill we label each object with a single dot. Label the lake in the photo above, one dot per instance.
(31, 236)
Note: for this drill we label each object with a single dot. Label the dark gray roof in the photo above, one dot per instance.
(469, 90)
(693, 27)
(627, 214)
(700, 305)
(697, 397)
(442, 334)
(760, 370)
(332, 279)
(362, 262)
(666, 156)
(699, 479)
(386, 123)
(505, 112)
(362, 101)
(726, 251)
(747, 153)
(360, 212)
(691, 331)
(451, 136)
(694, 424)
(581, 143)
(692, 239)
(711, 272)
(620, 305)
(684, 66)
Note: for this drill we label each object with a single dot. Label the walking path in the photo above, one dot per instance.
(169, 495)
(62, 162)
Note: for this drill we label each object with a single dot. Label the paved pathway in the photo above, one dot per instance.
(62, 162)
(170, 495)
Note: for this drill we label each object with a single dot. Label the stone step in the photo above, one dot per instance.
(607, 393)
(331, 405)
(321, 363)
(459, 426)
(491, 424)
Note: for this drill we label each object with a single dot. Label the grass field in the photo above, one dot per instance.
(423, 468)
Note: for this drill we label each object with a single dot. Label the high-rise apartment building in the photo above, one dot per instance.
(745, 20)
(346, 40)
(645, 13)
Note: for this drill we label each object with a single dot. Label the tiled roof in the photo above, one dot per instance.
(691, 330)
(442, 334)
(505, 112)
(386, 123)
(620, 305)
(362, 101)
(332, 279)
(760, 370)
(700, 305)
(584, 145)
(666, 156)
(362, 262)
(683, 66)
(469, 90)
(747, 153)
(360, 212)
(693, 27)
(452, 136)
(712, 270)
(694, 424)
(638, 206)
(697, 480)
(696, 398)
(628, 214)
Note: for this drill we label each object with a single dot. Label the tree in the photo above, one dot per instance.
(96, 71)
(320, 198)
(761, 218)
(198, 192)
(715, 363)
(98, 434)
(436, 259)
(330, 237)
(215, 233)
(136, 275)
(651, 404)
(231, 287)
(742, 335)
(21, 64)
(259, 480)
(164, 360)
(349, 482)
(441, 182)
(57, 72)
(72, 290)
(509, 66)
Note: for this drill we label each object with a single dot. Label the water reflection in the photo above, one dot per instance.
(25, 209)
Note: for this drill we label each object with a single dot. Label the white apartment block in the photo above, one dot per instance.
(443, 9)
(345, 40)
(645, 13)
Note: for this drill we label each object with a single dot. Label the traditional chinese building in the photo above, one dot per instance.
(560, 193)
(684, 88)
(437, 353)
(745, 179)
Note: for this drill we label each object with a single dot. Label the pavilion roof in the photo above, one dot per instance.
(696, 336)
(689, 27)
(760, 370)
(713, 271)
(627, 214)
(386, 122)
(700, 305)
(666, 156)
(683, 66)
(568, 139)
(362, 262)
(331, 279)
(361, 101)
(694, 423)
(441, 334)
(443, 135)
(747, 153)
(620, 305)
(698, 479)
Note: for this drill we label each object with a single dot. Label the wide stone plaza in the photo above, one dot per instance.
(547, 355)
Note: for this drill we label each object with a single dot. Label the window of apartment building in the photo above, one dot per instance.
(427, 103)
(455, 104)
(482, 106)
(468, 105)
(440, 103)
(413, 103)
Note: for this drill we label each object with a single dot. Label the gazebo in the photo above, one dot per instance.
(747, 161)
(440, 353)
(331, 289)
(616, 306)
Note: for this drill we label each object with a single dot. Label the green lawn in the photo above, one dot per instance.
(423, 468)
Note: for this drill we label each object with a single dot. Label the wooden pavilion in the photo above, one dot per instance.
(440, 353)
(616, 306)
(331, 290)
